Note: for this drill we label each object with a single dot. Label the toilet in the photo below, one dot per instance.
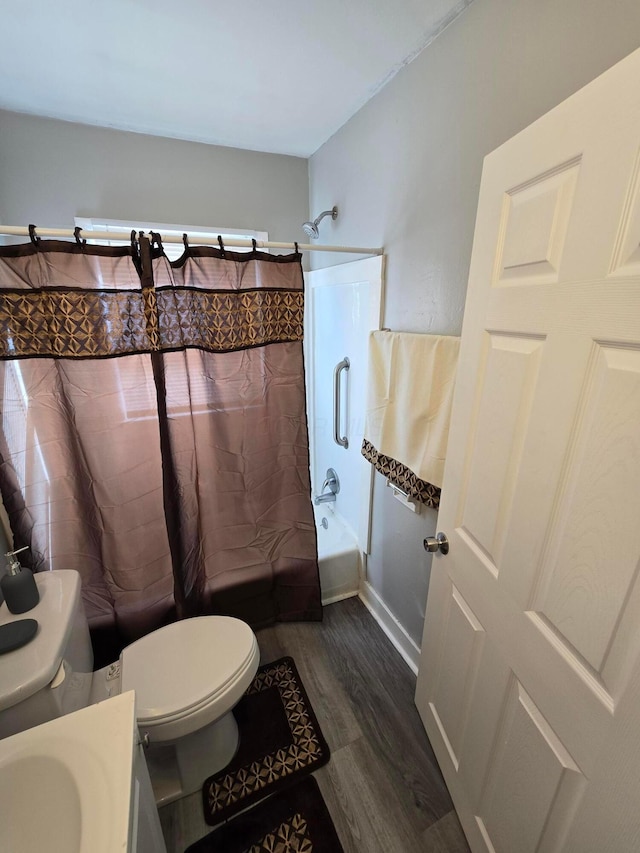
(187, 676)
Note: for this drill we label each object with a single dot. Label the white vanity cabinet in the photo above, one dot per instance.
(79, 784)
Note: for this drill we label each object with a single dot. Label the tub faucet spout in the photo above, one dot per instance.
(333, 484)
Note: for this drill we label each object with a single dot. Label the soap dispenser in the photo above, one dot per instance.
(19, 585)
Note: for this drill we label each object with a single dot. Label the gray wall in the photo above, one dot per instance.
(51, 171)
(405, 173)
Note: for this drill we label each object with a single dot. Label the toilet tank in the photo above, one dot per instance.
(51, 675)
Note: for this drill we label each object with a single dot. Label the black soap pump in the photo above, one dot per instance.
(19, 585)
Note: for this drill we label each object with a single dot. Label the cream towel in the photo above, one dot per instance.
(411, 380)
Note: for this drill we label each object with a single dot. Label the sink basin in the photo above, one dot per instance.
(65, 786)
(40, 794)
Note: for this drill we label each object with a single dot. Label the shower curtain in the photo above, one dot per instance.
(154, 433)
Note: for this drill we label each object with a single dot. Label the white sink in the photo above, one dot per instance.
(65, 786)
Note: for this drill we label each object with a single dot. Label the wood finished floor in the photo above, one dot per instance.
(382, 785)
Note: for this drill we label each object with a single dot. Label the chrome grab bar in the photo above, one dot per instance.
(345, 364)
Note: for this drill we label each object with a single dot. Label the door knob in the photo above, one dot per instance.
(439, 542)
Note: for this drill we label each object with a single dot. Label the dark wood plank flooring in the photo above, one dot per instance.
(382, 785)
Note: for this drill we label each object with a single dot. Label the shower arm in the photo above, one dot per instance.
(333, 213)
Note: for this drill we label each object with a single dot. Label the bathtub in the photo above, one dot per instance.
(338, 557)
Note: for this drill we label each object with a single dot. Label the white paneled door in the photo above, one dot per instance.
(529, 682)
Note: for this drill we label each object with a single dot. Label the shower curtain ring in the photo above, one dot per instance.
(76, 234)
(34, 237)
(221, 246)
(135, 249)
(254, 244)
(156, 238)
(185, 240)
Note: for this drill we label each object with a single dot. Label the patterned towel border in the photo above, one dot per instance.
(402, 477)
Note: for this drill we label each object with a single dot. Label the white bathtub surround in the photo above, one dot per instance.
(342, 305)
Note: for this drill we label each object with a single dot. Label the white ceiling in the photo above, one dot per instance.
(278, 76)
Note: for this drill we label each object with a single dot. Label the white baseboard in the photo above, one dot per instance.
(409, 651)
(331, 599)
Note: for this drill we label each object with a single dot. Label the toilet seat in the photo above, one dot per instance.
(189, 673)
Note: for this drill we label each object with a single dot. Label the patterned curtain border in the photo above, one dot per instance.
(102, 324)
(401, 476)
(80, 322)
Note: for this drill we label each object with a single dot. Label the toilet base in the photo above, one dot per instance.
(180, 768)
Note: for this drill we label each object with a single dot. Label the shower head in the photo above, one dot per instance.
(311, 228)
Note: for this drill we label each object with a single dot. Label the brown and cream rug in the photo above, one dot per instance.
(280, 742)
(295, 820)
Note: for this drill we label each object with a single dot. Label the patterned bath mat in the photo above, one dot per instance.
(280, 741)
(293, 821)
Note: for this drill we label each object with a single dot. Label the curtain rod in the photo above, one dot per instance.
(196, 239)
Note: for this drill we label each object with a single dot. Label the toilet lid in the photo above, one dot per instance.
(183, 664)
